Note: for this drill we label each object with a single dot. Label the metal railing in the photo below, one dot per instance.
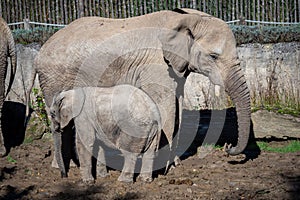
(27, 23)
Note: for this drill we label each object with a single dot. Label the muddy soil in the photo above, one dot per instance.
(27, 174)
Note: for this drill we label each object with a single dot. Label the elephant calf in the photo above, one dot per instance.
(122, 117)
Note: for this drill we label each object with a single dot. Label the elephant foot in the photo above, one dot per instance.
(88, 181)
(63, 175)
(147, 178)
(126, 177)
(3, 151)
(177, 161)
(102, 171)
(87, 178)
(55, 165)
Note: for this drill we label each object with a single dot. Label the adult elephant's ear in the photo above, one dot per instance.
(177, 41)
(70, 105)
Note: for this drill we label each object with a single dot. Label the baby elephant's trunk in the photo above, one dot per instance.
(58, 153)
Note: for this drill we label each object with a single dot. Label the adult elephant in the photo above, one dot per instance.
(7, 50)
(154, 52)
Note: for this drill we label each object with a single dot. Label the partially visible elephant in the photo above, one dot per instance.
(122, 117)
(154, 52)
(7, 50)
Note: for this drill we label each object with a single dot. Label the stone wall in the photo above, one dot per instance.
(272, 70)
(24, 74)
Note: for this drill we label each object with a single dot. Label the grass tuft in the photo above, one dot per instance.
(293, 146)
(10, 159)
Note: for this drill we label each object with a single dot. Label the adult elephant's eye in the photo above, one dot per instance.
(214, 56)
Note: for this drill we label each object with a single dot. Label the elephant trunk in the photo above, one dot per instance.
(238, 90)
(58, 153)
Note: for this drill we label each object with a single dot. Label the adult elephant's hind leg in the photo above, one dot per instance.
(2, 97)
(129, 166)
(2, 147)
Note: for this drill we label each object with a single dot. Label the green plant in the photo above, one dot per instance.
(39, 106)
(37, 34)
(282, 98)
(10, 159)
(265, 34)
(28, 140)
(293, 146)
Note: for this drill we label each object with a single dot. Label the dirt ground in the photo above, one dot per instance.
(27, 174)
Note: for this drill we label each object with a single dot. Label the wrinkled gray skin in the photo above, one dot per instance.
(7, 50)
(122, 117)
(153, 52)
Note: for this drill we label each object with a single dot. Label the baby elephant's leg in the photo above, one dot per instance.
(129, 166)
(101, 163)
(84, 141)
(147, 165)
(148, 158)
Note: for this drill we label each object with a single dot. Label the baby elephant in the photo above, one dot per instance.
(121, 117)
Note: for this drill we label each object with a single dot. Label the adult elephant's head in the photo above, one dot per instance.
(204, 44)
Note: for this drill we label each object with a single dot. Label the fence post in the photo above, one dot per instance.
(242, 20)
(26, 24)
(81, 12)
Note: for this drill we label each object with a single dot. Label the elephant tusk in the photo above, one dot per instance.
(167, 167)
(227, 147)
(217, 90)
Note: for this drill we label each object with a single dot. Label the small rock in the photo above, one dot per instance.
(181, 182)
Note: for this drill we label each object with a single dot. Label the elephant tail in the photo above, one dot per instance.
(13, 59)
(27, 97)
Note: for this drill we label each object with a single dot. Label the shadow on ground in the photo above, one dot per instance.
(13, 193)
(7, 171)
(89, 191)
(13, 118)
(293, 182)
(216, 127)
(197, 126)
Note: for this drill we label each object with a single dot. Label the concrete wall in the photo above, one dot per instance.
(271, 69)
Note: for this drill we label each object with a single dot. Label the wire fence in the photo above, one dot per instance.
(62, 12)
(28, 24)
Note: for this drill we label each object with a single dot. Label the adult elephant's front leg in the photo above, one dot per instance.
(158, 83)
(161, 85)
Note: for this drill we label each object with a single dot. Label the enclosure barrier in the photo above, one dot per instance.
(66, 11)
(27, 23)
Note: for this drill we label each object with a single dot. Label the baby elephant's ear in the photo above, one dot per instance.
(70, 105)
